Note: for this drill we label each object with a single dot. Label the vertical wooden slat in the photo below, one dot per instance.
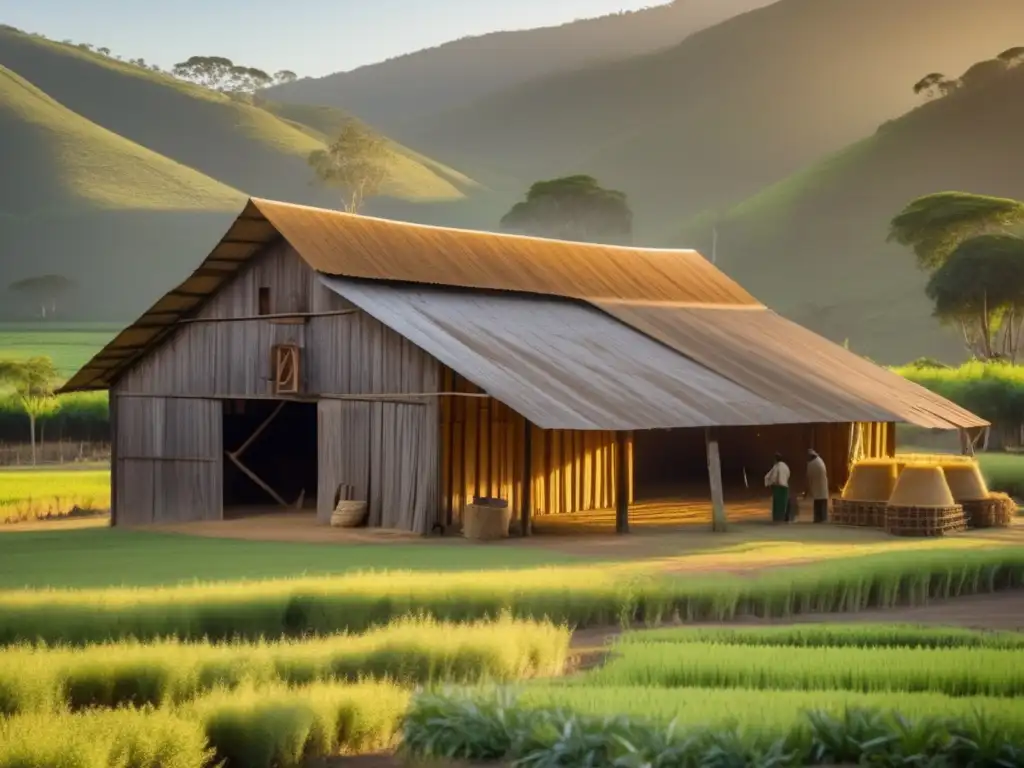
(621, 482)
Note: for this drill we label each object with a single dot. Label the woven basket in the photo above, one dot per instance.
(486, 519)
(863, 514)
(924, 521)
(349, 514)
(996, 511)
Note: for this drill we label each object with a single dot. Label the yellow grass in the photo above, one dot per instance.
(40, 494)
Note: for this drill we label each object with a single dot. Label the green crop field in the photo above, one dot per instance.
(69, 345)
(468, 656)
(802, 703)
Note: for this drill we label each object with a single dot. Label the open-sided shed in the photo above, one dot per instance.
(422, 366)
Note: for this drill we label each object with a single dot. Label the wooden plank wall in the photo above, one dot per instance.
(168, 467)
(210, 359)
(482, 455)
(387, 452)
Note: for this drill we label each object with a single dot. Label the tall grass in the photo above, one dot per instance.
(582, 596)
(283, 727)
(756, 708)
(168, 672)
(249, 727)
(952, 671)
(994, 391)
(832, 636)
(103, 739)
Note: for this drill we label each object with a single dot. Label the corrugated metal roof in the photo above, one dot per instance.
(789, 365)
(675, 297)
(559, 362)
(362, 246)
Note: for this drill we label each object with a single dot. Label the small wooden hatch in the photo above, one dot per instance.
(285, 364)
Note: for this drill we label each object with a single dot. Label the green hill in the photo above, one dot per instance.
(398, 93)
(241, 145)
(120, 177)
(729, 110)
(815, 245)
(56, 159)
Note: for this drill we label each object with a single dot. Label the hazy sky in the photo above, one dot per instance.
(311, 37)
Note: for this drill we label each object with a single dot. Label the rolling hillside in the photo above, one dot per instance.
(117, 176)
(731, 109)
(398, 93)
(54, 158)
(241, 145)
(814, 245)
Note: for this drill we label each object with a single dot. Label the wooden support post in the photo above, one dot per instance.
(115, 455)
(718, 518)
(526, 504)
(621, 482)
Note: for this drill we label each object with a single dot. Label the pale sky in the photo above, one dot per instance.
(310, 37)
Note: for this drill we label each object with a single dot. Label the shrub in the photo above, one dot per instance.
(125, 738)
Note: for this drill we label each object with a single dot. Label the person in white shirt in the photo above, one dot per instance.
(817, 485)
(778, 480)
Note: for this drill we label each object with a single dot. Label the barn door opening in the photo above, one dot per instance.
(270, 456)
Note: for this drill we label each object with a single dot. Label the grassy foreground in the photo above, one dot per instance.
(577, 596)
(803, 702)
(168, 672)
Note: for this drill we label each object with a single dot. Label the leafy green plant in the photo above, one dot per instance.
(488, 727)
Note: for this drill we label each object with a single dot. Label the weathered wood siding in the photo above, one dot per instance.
(386, 449)
(168, 460)
(387, 452)
(482, 452)
(232, 358)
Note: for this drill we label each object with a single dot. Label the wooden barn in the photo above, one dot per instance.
(424, 366)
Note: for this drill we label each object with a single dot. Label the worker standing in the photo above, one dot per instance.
(817, 485)
(778, 480)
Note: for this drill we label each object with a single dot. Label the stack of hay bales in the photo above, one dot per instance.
(864, 499)
(921, 495)
(982, 508)
(922, 503)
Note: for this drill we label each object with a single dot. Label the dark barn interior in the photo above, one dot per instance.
(283, 454)
(669, 463)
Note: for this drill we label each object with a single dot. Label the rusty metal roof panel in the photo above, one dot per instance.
(789, 365)
(347, 245)
(561, 363)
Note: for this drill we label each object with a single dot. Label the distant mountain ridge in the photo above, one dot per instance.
(395, 94)
(814, 245)
(731, 109)
(116, 176)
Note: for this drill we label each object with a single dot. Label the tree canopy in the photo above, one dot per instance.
(934, 225)
(45, 290)
(357, 163)
(572, 208)
(32, 381)
(221, 74)
(980, 287)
